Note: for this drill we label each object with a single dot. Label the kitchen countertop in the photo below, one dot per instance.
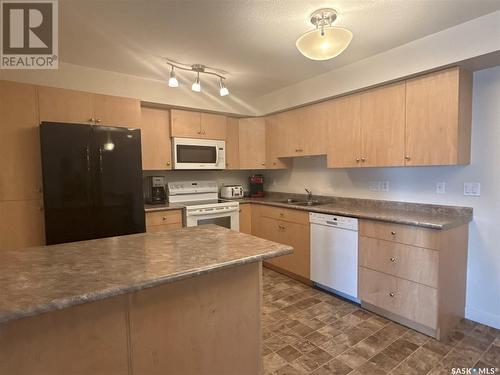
(418, 214)
(42, 279)
(162, 207)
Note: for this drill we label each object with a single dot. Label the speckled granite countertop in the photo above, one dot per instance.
(42, 279)
(423, 215)
(162, 207)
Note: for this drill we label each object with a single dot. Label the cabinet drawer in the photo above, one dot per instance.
(163, 217)
(410, 300)
(163, 227)
(409, 262)
(407, 234)
(285, 214)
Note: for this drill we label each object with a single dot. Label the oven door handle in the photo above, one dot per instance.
(214, 212)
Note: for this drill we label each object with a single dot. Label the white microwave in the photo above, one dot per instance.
(191, 153)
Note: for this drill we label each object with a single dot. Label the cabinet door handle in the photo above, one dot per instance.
(358, 160)
(393, 259)
(393, 233)
(363, 159)
(164, 218)
(168, 163)
(282, 214)
(98, 120)
(92, 120)
(407, 157)
(392, 294)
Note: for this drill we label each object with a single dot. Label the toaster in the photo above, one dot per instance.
(231, 191)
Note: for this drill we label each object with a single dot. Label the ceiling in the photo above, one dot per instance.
(252, 40)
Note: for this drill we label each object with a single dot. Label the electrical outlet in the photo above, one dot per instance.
(384, 186)
(374, 185)
(472, 188)
(441, 188)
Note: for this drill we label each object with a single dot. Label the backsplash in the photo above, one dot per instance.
(222, 177)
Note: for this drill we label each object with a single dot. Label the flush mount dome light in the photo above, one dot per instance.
(325, 41)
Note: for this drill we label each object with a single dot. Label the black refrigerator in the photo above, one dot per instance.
(92, 181)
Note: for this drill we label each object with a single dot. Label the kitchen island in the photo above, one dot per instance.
(180, 302)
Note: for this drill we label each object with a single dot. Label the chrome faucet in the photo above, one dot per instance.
(309, 195)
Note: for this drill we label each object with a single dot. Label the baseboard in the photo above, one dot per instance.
(288, 273)
(483, 317)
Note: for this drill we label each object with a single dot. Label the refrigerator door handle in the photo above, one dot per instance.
(87, 152)
(100, 159)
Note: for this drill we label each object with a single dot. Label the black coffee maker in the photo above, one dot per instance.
(156, 190)
(256, 186)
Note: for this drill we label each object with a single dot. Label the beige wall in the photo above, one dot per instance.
(418, 184)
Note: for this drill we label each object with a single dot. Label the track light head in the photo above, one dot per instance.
(196, 87)
(223, 89)
(172, 81)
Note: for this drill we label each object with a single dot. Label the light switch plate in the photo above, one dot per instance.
(374, 185)
(472, 189)
(384, 186)
(441, 188)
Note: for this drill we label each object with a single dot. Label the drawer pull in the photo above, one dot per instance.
(391, 294)
(393, 259)
(393, 233)
(164, 218)
(282, 214)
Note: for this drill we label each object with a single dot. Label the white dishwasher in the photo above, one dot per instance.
(334, 254)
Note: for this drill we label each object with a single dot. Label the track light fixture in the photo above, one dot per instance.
(197, 68)
(172, 81)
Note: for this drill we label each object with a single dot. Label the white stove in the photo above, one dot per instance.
(203, 205)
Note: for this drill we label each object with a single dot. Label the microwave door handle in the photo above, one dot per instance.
(216, 156)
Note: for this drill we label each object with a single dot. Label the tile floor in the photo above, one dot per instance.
(307, 331)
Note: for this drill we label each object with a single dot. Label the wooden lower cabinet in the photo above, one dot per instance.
(246, 218)
(159, 221)
(21, 224)
(415, 276)
(413, 301)
(295, 233)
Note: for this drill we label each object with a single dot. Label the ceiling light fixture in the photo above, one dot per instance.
(196, 87)
(325, 41)
(198, 69)
(223, 89)
(172, 81)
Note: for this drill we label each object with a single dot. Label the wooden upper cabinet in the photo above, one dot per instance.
(252, 143)
(191, 124)
(155, 139)
(116, 111)
(61, 105)
(383, 126)
(275, 143)
(344, 132)
(232, 143)
(185, 124)
(70, 106)
(213, 126)
(313, 129)
(438, 118)
(20, 164)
